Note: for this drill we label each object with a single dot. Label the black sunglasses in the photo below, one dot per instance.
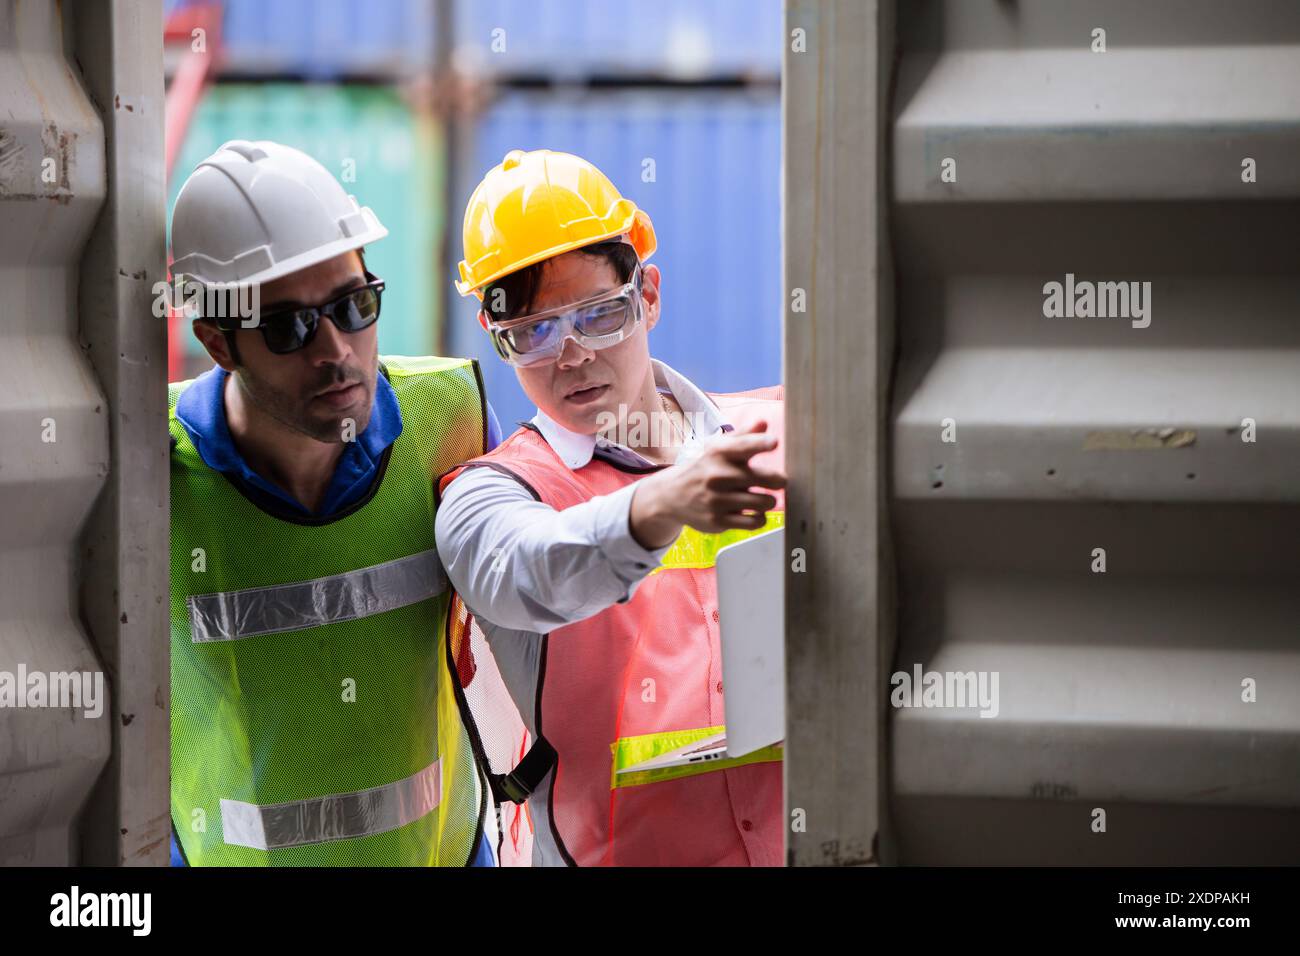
(288, 330)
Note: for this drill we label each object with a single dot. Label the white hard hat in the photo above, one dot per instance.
(252, 212)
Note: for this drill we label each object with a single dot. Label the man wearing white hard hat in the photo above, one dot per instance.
(314, 685)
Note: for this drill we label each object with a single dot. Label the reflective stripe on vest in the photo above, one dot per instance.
(698, 549)
(633, 750)
(337, 816)
(234, 615)
(692, 550)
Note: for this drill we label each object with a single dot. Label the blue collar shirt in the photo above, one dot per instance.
(201, 410)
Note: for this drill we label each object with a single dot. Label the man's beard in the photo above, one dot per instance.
(296, 412)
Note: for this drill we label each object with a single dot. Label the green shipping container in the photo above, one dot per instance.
(386, 154)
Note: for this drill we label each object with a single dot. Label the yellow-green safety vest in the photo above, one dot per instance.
(315, 718)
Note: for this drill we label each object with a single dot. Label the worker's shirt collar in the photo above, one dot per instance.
(703, 419)
(201, 410)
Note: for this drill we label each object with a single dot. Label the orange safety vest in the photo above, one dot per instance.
(640, 679)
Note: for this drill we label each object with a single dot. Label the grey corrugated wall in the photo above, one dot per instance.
(1120, 691)
(1100, 512)
(83, 440)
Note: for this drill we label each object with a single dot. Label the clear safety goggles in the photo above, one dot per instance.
(596, 323)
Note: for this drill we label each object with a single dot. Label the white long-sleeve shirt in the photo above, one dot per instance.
(524, 569)
(520, 564)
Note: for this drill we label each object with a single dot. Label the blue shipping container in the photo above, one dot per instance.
(687, 39)
(327, 39)
(324, 39)
(715, 200)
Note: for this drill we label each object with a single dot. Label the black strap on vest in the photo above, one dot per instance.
(519, 784)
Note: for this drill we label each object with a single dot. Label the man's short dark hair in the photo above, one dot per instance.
(517, 291)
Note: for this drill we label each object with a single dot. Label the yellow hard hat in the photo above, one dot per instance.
(540, 204)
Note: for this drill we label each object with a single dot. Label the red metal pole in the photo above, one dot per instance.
(183, 95)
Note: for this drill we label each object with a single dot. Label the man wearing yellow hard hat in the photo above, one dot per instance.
(583, 543)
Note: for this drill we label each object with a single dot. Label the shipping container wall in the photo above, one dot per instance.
(49, 758)
(685, 39)
(386, 154)
(83, 447)
(706, 167)
(1096, 430)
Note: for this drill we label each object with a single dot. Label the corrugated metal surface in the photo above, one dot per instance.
(336, 38)
(715, 202)
(397, 159)
(1120, 690)
(678, 38)
(48, 758)
(83, 486)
